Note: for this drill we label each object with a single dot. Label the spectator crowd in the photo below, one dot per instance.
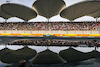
(50, 26)
(44, 42)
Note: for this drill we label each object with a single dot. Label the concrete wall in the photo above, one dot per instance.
(50, 32)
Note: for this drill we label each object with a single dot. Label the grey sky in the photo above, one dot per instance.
(40, 18)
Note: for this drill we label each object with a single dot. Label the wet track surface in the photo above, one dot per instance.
(6, 39)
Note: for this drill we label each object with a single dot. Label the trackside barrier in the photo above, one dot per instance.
(56, 33)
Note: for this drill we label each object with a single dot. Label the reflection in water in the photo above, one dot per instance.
(47, 57)
(72, 55)
(87, 63)
(17, 55)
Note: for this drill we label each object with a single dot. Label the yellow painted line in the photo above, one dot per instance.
(94, 34)
(25, 34)
(37, 34)
(5, 34)
(28, 34)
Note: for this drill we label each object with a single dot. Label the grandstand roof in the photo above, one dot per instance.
(49, 8)
(95, 14)
(18, 10)
(80, 9)
(3, 14)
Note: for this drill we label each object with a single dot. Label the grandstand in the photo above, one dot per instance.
(58, 29)
(54, 30)
(47, 33)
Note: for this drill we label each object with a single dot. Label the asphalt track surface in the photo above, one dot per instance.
(7, 39)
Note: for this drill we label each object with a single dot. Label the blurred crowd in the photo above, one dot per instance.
(50, 26)
(57, 43)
